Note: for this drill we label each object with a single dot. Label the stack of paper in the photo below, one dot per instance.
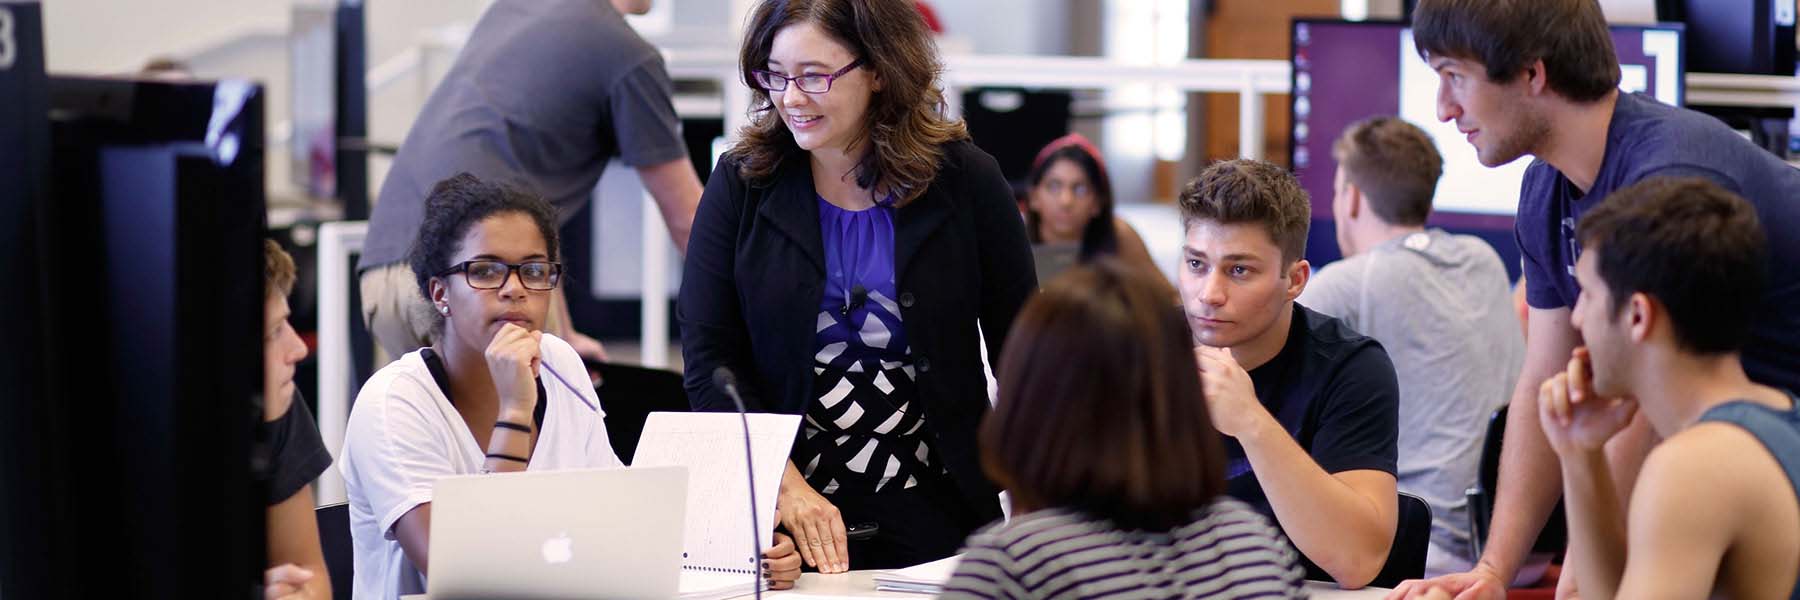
(928, 578)
(699, 585)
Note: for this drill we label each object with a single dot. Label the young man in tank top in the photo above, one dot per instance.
(1670, 279)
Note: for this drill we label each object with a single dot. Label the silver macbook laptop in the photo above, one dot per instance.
(604, 533)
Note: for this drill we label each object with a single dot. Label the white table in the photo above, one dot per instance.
(855, 584)
(1329, 591)
(861, 584)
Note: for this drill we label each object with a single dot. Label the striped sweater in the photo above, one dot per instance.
(1228, 551)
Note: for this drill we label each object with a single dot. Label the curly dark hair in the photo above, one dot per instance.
(905, 127)
(458, 203)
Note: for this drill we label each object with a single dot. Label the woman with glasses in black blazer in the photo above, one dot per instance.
(849, 257)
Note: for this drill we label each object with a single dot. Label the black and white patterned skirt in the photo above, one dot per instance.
(865, 432)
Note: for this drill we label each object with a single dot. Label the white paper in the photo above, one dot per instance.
(698, 585)
(711, 446)
(926, 578)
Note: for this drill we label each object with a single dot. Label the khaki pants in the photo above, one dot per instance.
(398, 316)
(401, 320)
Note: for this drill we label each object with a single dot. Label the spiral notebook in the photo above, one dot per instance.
(711, 446)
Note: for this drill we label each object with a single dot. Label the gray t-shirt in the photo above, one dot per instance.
(1053, 258)
(1441, 305)
(544, 95)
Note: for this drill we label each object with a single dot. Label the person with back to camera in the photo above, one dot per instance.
(1437, 302)
(494, 394)
(850, 256)
(1116, 473)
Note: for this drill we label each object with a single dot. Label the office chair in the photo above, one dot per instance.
(1412, 535)
(1550, 542)
(340, 550)
(629, 394)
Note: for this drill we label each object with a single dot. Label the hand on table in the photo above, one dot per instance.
(1477, 584)
(1436, 593)
(816, 524)
(781, 563)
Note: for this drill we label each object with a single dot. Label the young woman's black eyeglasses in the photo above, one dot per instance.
(492, 274)
(810, 83)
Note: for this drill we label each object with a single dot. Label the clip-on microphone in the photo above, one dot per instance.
(725, 380)
(858, 296)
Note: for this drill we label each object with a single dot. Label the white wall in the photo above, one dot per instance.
(1007, 26)
(1357, 10)
(246, 38)
(238, 38)
(100, 36)
(985, 26)
(117, 36)
(109, 36)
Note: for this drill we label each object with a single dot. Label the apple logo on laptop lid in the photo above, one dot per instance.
(559, 549)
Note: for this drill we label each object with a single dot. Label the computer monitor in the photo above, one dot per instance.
(1754, 37)
(1013, 124)
(128, 464)
(1345, 71)
(25, 169)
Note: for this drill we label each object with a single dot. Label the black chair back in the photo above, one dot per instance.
(1555, 534)
(1412, 535)
(629, 394)
(340, 551)
(1012, 124)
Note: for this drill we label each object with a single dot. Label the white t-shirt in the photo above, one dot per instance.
(404, 434)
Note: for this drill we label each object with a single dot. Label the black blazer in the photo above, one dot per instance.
(755, 273)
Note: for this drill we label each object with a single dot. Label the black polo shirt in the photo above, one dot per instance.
(296, 454)
(1335, 391)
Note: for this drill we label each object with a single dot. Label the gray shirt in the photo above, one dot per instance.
(544, 95)
(1053, 258)
(1441, 305)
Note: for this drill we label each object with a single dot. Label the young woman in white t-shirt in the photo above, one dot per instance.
(492, 394)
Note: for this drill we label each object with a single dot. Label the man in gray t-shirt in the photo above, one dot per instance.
(1440, 305)
(543, 96)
